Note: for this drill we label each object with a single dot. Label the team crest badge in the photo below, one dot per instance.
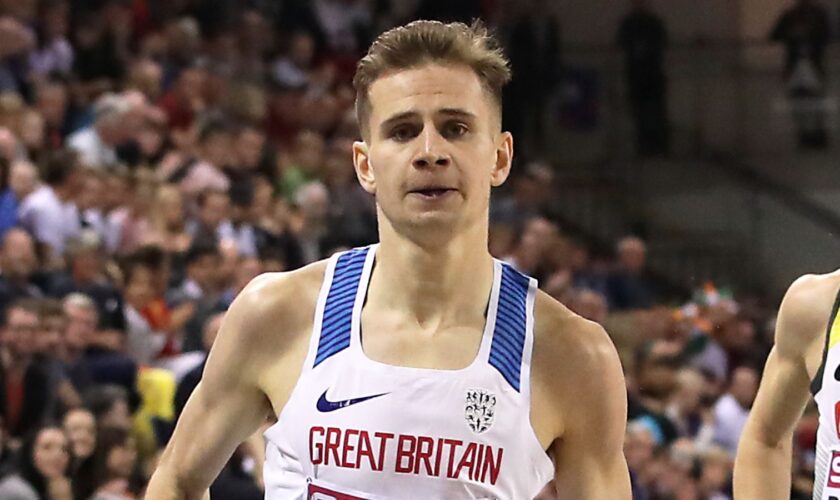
(480, 409)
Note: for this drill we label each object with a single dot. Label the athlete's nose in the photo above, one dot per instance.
(433, 150)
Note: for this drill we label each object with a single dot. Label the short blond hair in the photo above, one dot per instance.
(424, 42)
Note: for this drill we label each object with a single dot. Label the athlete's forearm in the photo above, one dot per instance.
(762, 470)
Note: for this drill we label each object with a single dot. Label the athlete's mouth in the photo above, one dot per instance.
(433, 192)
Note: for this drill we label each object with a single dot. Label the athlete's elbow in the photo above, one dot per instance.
(167, 484)
(756, 436)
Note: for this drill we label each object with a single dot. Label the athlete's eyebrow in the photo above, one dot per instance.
(397, 118)
(456, 112)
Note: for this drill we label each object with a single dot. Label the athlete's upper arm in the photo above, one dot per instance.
(589, 457)
(783, 393)
(227, 405)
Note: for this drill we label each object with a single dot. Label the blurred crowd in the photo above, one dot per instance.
(157, 156)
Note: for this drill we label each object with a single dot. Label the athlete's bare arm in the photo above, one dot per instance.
(230, 403)
(578, 376)
(763, 463)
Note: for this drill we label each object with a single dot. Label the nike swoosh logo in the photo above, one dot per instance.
(324, 405)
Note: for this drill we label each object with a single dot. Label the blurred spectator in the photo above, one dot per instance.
(304, 164)
(115, 123)
(25, 392)
(116, 466)
(732, 408)
(85, 275)
(353, 210)
(655, 379)
(685, 408)
(110, 406)
(54, 54)
(589, 304)
(51, 101)
(239, 229)
(18, 264)
(529, 252)
(23, 177)
(534, 50)
(80, 427)
(16, 41)
(804, 30)
(42, 471)
(60, 395)
(93, 356)
(639, 450)
(185, 99)
(213, 211)
(313, 202)
(529, 198)
(204, 172)
(643, 38)
(49, 212)
(628, 285)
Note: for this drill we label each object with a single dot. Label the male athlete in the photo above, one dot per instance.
(805, 355)
(419, 367)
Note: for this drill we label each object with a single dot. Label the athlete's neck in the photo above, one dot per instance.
(435, 285)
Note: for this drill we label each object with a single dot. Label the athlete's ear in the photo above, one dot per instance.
(363, 166)
(504, 159)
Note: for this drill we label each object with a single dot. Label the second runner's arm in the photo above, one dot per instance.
(763, 462)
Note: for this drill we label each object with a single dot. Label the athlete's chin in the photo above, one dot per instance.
(434, 225)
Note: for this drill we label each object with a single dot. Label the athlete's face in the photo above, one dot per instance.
(434, 149)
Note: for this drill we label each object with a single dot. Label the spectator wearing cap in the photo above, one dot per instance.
(18, 264)
(49, 212)
(113, 125)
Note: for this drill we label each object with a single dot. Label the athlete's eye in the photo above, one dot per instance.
(403, 133)
(454, 130)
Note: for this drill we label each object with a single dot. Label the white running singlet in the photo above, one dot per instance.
(826, 390)
(355, 428)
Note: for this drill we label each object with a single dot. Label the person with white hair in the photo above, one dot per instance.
(115, 122)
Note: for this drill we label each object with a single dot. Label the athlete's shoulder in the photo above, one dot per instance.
(575, 366)
(564, 334)
(807, 307)
(280, 303)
